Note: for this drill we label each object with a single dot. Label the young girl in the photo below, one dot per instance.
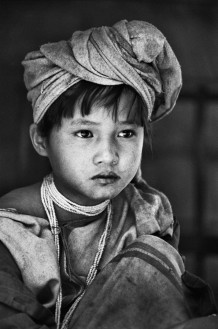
(92, 245)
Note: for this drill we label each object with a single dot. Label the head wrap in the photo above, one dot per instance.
(134, 53)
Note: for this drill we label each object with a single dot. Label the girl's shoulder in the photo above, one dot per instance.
(26, 200)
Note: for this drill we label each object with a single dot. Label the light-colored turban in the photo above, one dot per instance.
(135, 53)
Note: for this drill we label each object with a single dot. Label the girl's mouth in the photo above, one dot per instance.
(106, 177)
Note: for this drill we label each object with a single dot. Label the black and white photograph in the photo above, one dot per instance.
(109, 164)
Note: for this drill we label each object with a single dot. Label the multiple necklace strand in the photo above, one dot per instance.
(67, 204)
(49, 196)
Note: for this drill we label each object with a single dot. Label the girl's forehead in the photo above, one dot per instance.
(100, 113)
(126, 107)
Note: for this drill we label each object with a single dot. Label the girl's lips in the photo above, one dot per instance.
(106, 178)
(106, 181)
(109, 175)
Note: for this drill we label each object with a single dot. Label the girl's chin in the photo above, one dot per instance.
(98, 194)
(104, 196)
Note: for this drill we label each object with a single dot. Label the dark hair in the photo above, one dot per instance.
(88, 94)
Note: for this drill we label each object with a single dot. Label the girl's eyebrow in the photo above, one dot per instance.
(86, 122)
(79, 122)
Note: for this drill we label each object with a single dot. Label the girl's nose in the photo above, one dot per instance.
(106, 154)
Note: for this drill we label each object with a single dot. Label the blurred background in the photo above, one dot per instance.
(184, 162)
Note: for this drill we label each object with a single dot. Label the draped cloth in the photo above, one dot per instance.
(30, 241)
(140, 288)
(134, 53)
(140, 278)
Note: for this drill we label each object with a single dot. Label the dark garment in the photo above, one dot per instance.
(140, 288)
(19, 307)
(199, 295)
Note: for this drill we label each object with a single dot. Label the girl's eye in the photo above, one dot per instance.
(126, 134)
(84, 134)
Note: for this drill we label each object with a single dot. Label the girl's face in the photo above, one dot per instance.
(94, 157)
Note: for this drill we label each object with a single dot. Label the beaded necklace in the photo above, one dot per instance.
(49, 196)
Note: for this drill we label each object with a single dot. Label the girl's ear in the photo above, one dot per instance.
(39, 142)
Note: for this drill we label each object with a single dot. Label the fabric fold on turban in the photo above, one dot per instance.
(134, 53)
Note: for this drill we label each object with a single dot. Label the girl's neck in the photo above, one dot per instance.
(58, 206)
(66, 216)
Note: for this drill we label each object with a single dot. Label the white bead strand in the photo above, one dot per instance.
(93, 269)
(50, 195)
(70, 206)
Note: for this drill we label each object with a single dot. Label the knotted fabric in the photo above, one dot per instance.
(134, 53)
